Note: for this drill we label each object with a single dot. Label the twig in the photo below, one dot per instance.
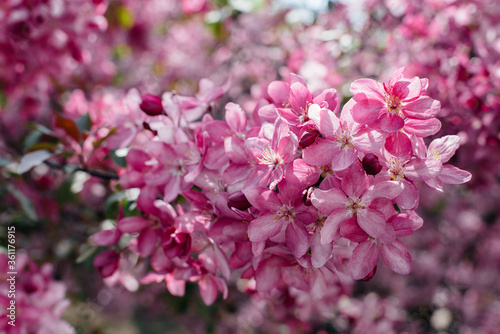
(93, 172)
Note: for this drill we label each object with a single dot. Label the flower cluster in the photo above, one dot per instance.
(39, 300)
(296, 195)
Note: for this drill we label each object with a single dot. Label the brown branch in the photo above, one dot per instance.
(93, 172)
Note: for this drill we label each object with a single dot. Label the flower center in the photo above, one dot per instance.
(270, 158)
(284, 212)
(393, 104)
(343, 137)
(355, 205)
(396, 169)
(434, 154)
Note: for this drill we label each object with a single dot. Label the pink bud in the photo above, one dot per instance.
(308, 138)
(106, 263)
(371, 164)
(239, 201)
(151, 105)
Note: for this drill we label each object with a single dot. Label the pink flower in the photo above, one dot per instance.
(271, 156)
(342, 138)
(280, 211)
(398, 105)
(439, 152)
(354, 200)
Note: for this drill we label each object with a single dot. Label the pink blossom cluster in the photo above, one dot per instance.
(39, 301)
(296, 195)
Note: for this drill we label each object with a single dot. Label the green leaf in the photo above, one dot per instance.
(120, 161)
(26, 204)
(84, 123)
(86, 253)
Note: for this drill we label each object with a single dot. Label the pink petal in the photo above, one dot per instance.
(289, 116)
(327, 123)
(453, 175)
(397, 257)
(172, 188)
(208, 289)
(106, 262)
(407, 90)
(371, 88)
(317, 285)
(174, 286)
(422, 108)
(328, 99)
(423, 169)
(235, 150)
(132, 224)
(296, 238)
(301, 174)
(331, 229)
(300, 97)
(268, 276)
(373, 222)
(343, 158)
(351, 230)
(390, 122)
(320, 153)
(422, 128)
(408, 198)
(215, 157)
(386, 189)
(364, 259)
(264, 227)
(106, 237)
(236, 117)
(137, 159)
(355, 183)
(328, 201)
(146, 243)
(262, 198)
(221, 262)
(146, 199)
(320, 253)
(445, 147)
(398, 144)
(404, 225)
(368, 140)
(279, 92)
(367, 111)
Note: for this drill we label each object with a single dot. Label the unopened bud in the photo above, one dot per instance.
(151, 105)
(308, 138)
(239, 201)
(371, 164)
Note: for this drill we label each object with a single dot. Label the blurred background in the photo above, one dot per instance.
(82, 58)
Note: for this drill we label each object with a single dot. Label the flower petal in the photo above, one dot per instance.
(397, 257)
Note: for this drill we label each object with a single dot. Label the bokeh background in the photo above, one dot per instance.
(81, 58)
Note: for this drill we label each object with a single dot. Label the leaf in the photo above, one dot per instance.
(42, 146)
(32, 138)
(26, 204)
(86, 253)
(120, 161)
(32, 159)
(42, 129)
(68, 126)
(84, 123)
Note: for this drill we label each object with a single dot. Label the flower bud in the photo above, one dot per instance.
(371, 164)
(151, 105)
(238, 200)
(308, 138)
